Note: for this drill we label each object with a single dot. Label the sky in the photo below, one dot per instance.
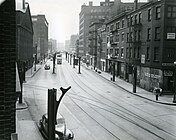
(62, 15)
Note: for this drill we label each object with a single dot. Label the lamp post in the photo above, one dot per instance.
(174, 99)
(73, 61)
(35, 57)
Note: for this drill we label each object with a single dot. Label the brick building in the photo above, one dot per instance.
(40, 38)
(7, 69)
(24, 34)
(144, 38)
(87, 16)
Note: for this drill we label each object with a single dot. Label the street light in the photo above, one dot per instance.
(174, 100)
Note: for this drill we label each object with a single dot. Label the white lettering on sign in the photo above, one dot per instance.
(152, 75)
(170, 35)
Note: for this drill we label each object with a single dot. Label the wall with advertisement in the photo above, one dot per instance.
(151, 78)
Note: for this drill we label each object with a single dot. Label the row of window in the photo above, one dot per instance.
(134, 19)
(135, 36)
(135, 53)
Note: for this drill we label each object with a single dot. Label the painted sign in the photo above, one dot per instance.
(170, 35)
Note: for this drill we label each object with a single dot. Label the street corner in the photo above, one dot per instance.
(21, 106)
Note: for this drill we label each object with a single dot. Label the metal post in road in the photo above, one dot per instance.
(51, 116)
(79, 71)
(113, 78)
(70, 59)
(35, 62)
(134, 78)
(57, 103)
(73, 61)
(54, 62)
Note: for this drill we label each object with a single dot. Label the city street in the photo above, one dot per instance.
(96, 109)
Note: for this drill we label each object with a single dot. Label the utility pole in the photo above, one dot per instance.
(113, 78)
(70, 59)
(54, 62)
(134, 78)
(79, 71)
(51, 116)
(73, 61)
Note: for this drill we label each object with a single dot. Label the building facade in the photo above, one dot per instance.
(144, 38)
(72, 48)
(40, 38)
(7, 69)
(24, 34)
(87, 16)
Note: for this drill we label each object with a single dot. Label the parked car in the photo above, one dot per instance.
(47, 66)
(61, 132)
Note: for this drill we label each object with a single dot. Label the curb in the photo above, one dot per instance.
(21, 106)
(33, 73)
(165, 103)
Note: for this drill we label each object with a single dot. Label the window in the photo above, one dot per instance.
(131, 20)
(139, 35)
(135, 19)
(123, 23)
(148, 53)
(157, 33)
(130, 53)
(134, 53)
(117, 52)
(127, 37)
(135, 36)
(158, 12)
(123, 36)
(149, 14)
(122, 52)
(140, 17)
(128, 22)
(118, 25)
(148, 34)
(127, 53)
(156, 53)
(138, 52)
(171, 12)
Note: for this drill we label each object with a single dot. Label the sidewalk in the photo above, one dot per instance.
(31, 72)
(26, 128)
(163, 99)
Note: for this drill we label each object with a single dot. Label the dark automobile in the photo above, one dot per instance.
(61, 132)
(47, 67)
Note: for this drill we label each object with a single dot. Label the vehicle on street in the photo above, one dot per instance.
(59, 58)
(47, 66)
(61, 132)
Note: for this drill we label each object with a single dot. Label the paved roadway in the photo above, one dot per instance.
(96, 109)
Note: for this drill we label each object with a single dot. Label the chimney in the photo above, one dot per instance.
(135, 4)
(23, 4)
(90, 3)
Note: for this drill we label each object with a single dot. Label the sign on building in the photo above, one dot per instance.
(170, 35)
(143, 59)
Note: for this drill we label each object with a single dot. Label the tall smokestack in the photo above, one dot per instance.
(135, 4)
(23, 4)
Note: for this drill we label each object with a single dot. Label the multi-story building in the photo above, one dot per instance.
(24, 34)
(93, 43)
(67, 45)
(89, 14)
(52, 46)
(7, 69)
(40, 38)
(101, 47)
(144, 38)
(72, 48)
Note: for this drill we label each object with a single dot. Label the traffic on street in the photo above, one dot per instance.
(96, 109)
